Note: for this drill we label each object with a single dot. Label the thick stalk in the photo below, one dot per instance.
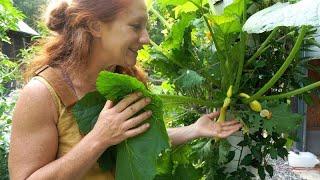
(262, 47)
(216, 46)
(292, 93)
(282, 69)
(243, 41)
(173, 99)
(161, 18)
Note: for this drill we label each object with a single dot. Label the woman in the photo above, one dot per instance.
(90, 36)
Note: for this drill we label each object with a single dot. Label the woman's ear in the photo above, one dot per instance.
(95, 28)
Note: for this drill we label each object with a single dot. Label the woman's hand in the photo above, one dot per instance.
(206, 127)
(116, 124)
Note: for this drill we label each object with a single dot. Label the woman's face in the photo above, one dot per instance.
(123, 37)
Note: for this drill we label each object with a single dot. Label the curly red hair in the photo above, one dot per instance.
(71, 42)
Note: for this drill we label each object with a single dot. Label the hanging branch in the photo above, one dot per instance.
(282, 69)
(263, 47)
(292, 93)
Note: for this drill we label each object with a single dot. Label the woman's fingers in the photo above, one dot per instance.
(225, 134)
(213, 115)
(225, 129)
(108, 105)
(231, 127)
(135, 121)
(124, 103)
(136, 107)
(137, 131)
(230, 123)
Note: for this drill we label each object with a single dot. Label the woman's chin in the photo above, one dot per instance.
(130, 63)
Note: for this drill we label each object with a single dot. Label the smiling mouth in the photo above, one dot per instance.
(135, 52)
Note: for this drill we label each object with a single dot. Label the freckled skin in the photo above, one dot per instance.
(34, 139)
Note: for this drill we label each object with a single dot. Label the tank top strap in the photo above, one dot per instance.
(53, 94)
(61, 88)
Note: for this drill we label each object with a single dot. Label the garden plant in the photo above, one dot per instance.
(243, 58)
(214, 56)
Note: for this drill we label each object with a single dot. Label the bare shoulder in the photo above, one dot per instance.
(34, 136)
(35, 99)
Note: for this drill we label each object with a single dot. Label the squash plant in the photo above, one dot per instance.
(210, 61)
(209, 51)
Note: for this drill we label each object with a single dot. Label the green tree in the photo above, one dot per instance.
(33, 10)
(9, 16)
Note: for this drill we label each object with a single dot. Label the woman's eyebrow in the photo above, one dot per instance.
(141, 17)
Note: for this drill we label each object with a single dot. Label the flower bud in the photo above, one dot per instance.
(229, 93)
(255, 106)
(266, 114)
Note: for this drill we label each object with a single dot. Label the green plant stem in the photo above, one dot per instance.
(262, 47)
(282, 69)
(243, 41)
(222, 67)
(154, 44)
(199, 6)
(174, 99)
(292, 93)
(14, 70)
(161, 18)
(207, 23)
(211, 31)
(240, 157)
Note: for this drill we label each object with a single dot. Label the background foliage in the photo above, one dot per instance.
(9, 16)
(33, 10)
(184, 60)
(199, 56)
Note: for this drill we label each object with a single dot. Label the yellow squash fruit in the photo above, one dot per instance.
(244, 95)
(254, 105)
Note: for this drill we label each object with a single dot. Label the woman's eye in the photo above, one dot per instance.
(136, 26)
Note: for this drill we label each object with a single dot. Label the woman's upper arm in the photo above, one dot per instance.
(34, 138)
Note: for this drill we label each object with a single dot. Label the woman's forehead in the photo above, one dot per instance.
(136, 10)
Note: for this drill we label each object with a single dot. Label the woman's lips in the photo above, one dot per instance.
(135, 52)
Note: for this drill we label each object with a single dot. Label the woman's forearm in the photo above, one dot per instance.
(74, 164)
(181, 135)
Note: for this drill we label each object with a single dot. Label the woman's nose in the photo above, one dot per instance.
(144, 38)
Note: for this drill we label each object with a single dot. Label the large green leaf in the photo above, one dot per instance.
(86, 113)
(236, 8)
(227, 23)
(187, 172)
(136, 157)
(283, 120)
(87, 110)
(304, 12)
(181, 2)
(175, 37)
(230, 7)
(185, 8)
(189, 79)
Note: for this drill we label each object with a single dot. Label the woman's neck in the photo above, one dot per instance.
(84, 79)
